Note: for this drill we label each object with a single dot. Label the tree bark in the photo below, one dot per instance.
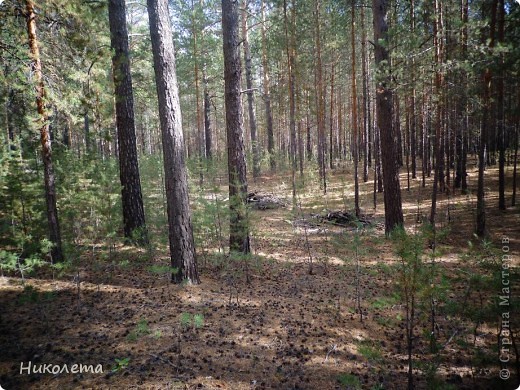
(331, 118)
(207, 117)
(486, 85)
(250, 93)
(355, 125)
(366, 104)
(267, 95)
(308, 143)
(239, 229)
(465, 135)
(49, 178)
(438, 144)
(320, 100)
(290, 43)
(16, 116)
(413, 141)
(132, 200)
(182, 248)
(515, 162)
(201, 144)
(392, 190)
(500, 113)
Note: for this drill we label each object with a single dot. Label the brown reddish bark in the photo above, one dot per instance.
(239, 229)
(392, 190)
(43, 121)
(131, 197)
(180, 232)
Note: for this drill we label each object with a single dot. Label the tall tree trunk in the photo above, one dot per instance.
(86, 129)
(308, 144)
(515, 162)
(320, 100)
(366, 105)
(290, 43)
(413, 141)
(481, 203)
(396, 117)
(339, 134)
(207, 117)
(407, 148)
(49, 179)
(438, 145)
(12, 112)
(355, 125)
(133, 211)
(250, 93)
(378, 175)
(67, 141)
(392, 190)
(239, 229)
(461, 125)
(378, 182)
(425, 140)
(331, 121)
(300, 146)
(182, 248)
(465, 135)
(500, 113)
(267, 95)
(200, 142)
(486, 106)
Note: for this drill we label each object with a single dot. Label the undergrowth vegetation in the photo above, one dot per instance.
(419, 296)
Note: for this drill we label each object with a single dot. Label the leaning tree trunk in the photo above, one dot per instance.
(50, 190)
(392, 190)
(239, 229)
(182, 248)
(133, 210)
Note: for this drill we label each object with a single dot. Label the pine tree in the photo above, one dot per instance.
(133, 210)
(255, 146)
(182, 248)
(45, 137)
(384, 104)
(239, 230)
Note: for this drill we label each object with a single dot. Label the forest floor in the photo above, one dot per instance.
(287, 327)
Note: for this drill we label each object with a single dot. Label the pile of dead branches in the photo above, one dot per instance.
(344, 218)
(265, 201)
(315, 222)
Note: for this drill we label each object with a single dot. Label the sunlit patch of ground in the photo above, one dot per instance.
(296, 325)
